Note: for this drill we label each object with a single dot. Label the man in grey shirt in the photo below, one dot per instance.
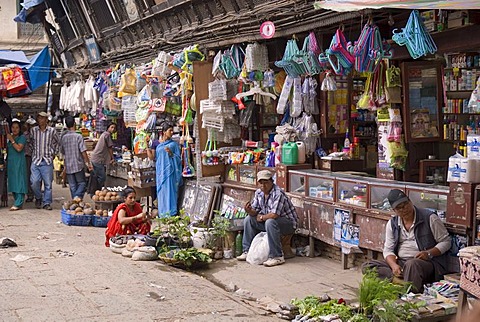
(103, 154)
(73, 148)
(416, 244)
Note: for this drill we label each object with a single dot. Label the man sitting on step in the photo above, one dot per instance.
(416, 244)
(271, 211)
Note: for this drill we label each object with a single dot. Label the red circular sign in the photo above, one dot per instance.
(267, 30)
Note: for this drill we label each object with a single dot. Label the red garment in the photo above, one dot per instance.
(114, 227)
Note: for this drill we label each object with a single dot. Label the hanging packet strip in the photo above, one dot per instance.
(296, 108)
(282, 101)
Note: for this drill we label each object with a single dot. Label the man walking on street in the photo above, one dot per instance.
(73, 148)
(103, 154)
(44, 145)
(28, 155)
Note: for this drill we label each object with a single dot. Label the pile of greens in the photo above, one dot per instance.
(379, 302)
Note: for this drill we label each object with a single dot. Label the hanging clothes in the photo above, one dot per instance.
(169, 177)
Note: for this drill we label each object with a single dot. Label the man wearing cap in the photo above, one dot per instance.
(28, 155)
(416, 244)
(73, 148)
(271, 211)
(44, 146)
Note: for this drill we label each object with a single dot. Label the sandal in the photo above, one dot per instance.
(14, 208)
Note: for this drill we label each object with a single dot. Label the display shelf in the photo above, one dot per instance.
(296, 183)
(321, 187)
(352, 192)
(379, 191)
(430, 197)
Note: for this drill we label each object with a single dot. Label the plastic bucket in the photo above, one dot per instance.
(290, 153)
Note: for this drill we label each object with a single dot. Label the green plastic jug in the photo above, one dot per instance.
(290, 153)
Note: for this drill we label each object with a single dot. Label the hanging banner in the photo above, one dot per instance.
(93, 50)
(355, 5)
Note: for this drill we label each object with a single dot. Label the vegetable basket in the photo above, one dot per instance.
(99, 221)
(75, 220)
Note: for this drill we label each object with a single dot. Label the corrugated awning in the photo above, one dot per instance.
(355, 5)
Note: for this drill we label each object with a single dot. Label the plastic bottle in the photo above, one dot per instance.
(356, 148)
(238, 244)
(346, 143)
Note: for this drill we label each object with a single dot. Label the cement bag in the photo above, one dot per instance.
(258, 252)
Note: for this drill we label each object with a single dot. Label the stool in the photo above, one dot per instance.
(287, 250)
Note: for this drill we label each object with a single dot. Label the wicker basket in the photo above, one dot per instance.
(75, 220)
(99, 221)
(168, 260)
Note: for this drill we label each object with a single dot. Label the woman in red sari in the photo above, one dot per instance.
(128, 218)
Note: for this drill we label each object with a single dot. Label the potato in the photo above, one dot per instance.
(97, 193)
(117, 197)
(71, 212)
(95, 198)
(113, 198)
(102, 198)
(80, 213)
(73, 206)
(105, 213)
(103, 193)
(77, 200)
(88, 205)
(114, 193)
(108, 195)
(79, 209)
(99, 212)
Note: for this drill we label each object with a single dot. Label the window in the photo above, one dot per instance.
(104, 13)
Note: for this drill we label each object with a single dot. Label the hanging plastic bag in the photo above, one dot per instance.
(328, 83)
(474, 102)
(256, 57)
(393, 77)
(394, 132)
(259, 249)
(366, 97)
(14, 79)
(128, 83)
(296, 108)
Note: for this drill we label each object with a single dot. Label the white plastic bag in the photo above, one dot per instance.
(258, 252)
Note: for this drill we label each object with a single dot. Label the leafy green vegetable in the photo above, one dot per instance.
(188, 256)
(394, 311)
(312, 307)
(374, 291)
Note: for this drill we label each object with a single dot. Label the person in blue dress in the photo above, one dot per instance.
(168, 171)
(16, 165)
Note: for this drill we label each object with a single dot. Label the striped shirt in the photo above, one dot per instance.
(72, 146)
(43, 144)
(276, 202)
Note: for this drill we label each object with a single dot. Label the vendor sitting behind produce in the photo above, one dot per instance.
(416, 244)
(128, 218)
(270, 211)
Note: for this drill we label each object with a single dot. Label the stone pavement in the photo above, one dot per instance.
(70, 275)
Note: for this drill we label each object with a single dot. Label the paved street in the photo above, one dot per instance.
(71, 275)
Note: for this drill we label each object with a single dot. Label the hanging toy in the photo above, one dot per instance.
(188, 169)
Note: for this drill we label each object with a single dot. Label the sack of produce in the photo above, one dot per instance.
(145, 253)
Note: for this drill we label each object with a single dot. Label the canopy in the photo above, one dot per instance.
(13, 57)
(31, 12)
(39, 68)
(355, 5)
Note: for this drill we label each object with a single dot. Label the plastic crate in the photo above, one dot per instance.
(75, 220)
(100, 221)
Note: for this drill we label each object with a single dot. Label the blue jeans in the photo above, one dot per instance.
(77, 184)
(100, 173)
(275, 228)
(42, 173)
